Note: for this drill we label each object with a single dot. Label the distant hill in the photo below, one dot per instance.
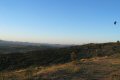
(12, 46)
(17, 43)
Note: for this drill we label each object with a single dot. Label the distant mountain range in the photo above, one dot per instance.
(17, 43)
(15, 46)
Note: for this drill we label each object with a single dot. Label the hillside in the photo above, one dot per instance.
(54, 56)
(97, 68)
(94, 62)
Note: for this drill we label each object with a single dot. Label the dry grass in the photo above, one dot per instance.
(99, 68)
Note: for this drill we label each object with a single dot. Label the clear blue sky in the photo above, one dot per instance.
(60, 21)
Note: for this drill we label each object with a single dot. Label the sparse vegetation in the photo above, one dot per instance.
(56, 55)
(94, 62)
(99, 68)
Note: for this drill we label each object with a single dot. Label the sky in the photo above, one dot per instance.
(60, 21)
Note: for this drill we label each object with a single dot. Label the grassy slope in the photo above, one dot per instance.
(97, 68)
(54, 56)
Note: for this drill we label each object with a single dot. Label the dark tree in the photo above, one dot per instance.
(74, 57)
